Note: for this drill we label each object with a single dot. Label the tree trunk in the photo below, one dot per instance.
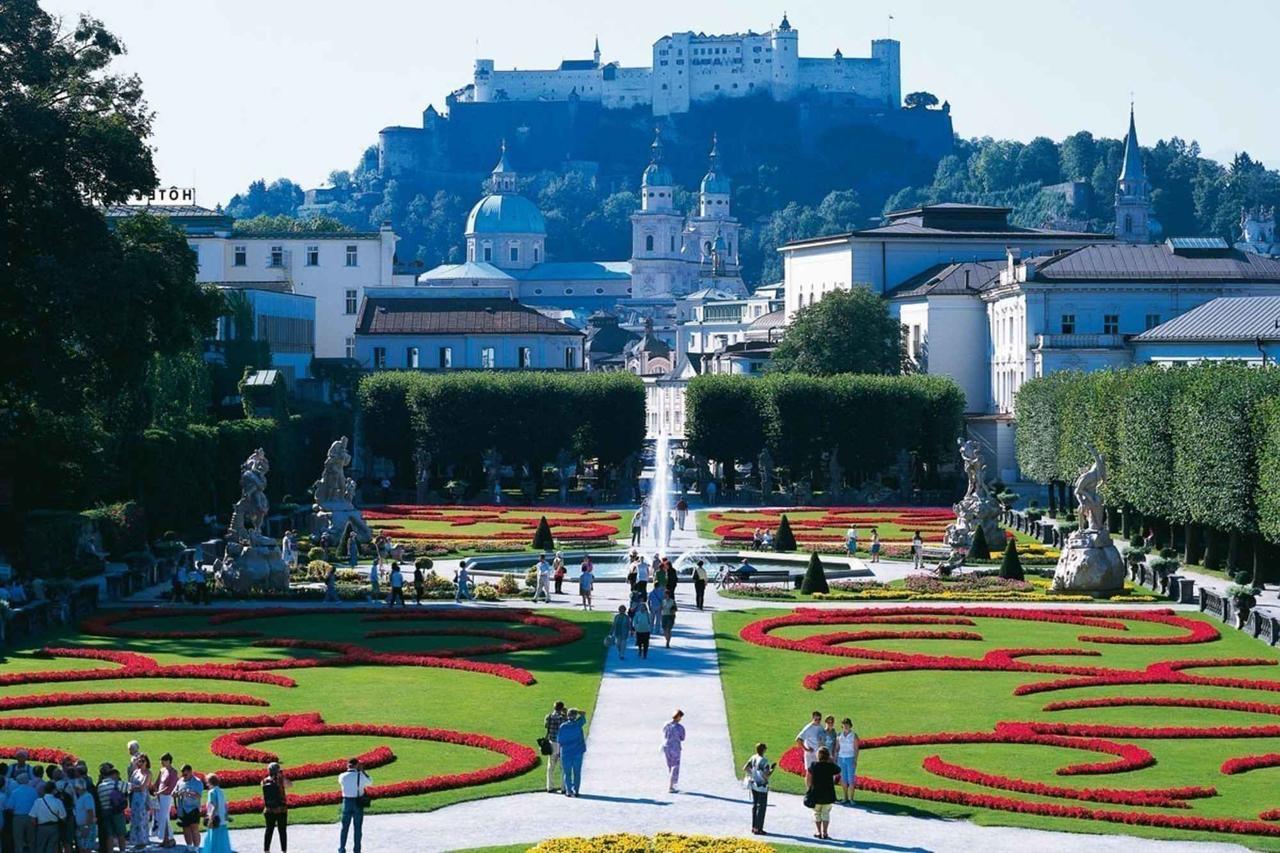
(1190, 554)
(1064, 501)
(1233, 552)
(1053, 503)
(1258, 547)
(1124, 522)
(730, 474)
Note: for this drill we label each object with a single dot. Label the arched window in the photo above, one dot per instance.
(648, 242)
(535, 254)
(708, 247)
(1128, 223)
(673, 242)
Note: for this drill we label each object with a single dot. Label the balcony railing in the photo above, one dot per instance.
(1079, 341)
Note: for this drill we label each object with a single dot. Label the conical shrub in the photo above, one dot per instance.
(815, 577)
(784, 539)
(1011, 566)
(980, 549)
(542, 540)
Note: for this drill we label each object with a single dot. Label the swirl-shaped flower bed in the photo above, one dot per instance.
(514, 523)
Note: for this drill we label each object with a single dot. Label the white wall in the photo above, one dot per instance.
(953, 332)
(811, 273)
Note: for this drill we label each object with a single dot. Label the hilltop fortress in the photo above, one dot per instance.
(695, 67)
(591, 114)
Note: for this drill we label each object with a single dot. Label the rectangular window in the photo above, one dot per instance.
(351, 302)
(1110, 324)
(352, 253)
(1153, 320)
(241, 258)
(411, 358)
(571, 359)
(526, 358)
(487, 358)
(277, 256)
(488, 254)
(1068, 324)
(351, 347)
(313, 256)
(515, 253)
(379, 357)
(446, 358)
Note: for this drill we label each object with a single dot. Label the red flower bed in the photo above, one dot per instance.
(572, 524)
(739, 525)
(1245, 763)
(1164, 702)
(73, 724)
(53, 700)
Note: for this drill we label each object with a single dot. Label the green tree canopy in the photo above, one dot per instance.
(847, 331)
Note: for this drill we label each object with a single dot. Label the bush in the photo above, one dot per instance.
(486, 592)
(1169, 553)
(542, 540)
(318, 569)
(815, 578)
(123, 527)
(980, 549)
(784, 539)
(1011, 566)
(424, 563)
(661, 843)
(316, 554)
(508, 585)
(531, 577)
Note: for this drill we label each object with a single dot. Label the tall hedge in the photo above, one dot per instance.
(1036, 442)
(1269, 469)
(726, 419)
(1144, 438)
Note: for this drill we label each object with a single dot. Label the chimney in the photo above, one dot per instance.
(1013, 255)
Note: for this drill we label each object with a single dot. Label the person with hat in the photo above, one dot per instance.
(354, 783)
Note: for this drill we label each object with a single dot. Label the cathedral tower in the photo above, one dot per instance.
(655, 232)
(1133, 193)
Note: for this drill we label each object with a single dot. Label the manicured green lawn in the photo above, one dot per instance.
(405, 695)
(468, 531)
(767, 701)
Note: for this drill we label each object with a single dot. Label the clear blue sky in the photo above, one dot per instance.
(268, 88)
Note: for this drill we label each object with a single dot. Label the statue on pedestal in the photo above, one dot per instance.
(835, 474)
(335, 494)
(1090, 561)
(764, 462)
(253, 558)
(978, 508)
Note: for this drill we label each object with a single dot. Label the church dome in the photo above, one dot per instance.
(714, 182)
(656, 175)
(505, 213)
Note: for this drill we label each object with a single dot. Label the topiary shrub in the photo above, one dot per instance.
(542, 540)
(508, 585)
(1135, 541)
(424, 563)
(784, 539)
(1011, 566)
(980, 549)
(318, 569)
(815, 577)
(316, 554)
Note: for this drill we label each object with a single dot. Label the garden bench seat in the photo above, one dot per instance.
(758, 577)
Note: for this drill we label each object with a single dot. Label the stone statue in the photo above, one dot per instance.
(1090, 561)
(764, 462)
(253, 558)
(492, 461)
(835, 474)
(978, 508)
(974, 467)
(332, 484)
(566, 464)
(335, 494)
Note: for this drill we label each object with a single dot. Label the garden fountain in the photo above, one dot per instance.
(660, 503)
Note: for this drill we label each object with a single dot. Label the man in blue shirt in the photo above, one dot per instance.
(21, 800)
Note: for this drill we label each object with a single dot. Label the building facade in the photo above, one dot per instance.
(1242, 328)
(696, 67)
(285, 320)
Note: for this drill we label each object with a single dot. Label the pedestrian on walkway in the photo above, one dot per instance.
(711, 493)
(166, 782)
(656, 596)
(660, 575)
(397, 586)
(543, 585)
(558, 572)
(48, 813)
(199, 583)
(673, 577)
(187, 796)
(353, 550)
(699, 584)
(218, 838)
(586, 581)
(847, 758)
(682, 512)
(354, 801)
(620, 631)
(552, 723)
(573, 746)
(637, 521)
(820, 781)
(642, 624)
(462, 586)
(275, 806)
(672, 743)
(917, 550)
(875, 545)
(851, 541)
(331, 584)
(809, 738)
(671, 526)
(375, 588)
(668, 615)
(139, 792)
(419, 582)
(758, 770)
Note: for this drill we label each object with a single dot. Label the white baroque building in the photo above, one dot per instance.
(696, 67)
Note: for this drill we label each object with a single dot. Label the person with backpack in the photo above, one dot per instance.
(275, 806)
(758, 770)
(113, 800)
(354, 785)
(48, 813)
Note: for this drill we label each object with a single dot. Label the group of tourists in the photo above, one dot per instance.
(851, 543)
(830, 761)
(564, 745)
(547, 572)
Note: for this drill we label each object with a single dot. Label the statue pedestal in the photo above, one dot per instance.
(976, 511)
(1090, 563)
(255, 566)
(332, 517)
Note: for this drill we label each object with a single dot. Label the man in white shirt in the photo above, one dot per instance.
(544, 580)
(353, 783)
(810, 738)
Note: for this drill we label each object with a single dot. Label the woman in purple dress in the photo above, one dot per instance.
(672, 742)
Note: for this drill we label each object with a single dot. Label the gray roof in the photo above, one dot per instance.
(772, 320)
(954, 220)
(124, 210)
(1134, 262)
(950, 280)
(396, 315)
(1228, 318)
(261, 378)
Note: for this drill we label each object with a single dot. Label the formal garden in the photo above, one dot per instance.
(229, 690)
(1149, 722)
(439, 531)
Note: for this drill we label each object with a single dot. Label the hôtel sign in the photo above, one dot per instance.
(166, 195)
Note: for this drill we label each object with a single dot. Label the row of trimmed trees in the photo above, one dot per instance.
(447, 423)
(867, 421)
(1193, 453)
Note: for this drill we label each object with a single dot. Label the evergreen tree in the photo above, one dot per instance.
(784, 539)
(980, 549)
(542, 540)
(1011, 566)
(815, 578)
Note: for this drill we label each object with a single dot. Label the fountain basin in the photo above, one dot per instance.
(611, 566)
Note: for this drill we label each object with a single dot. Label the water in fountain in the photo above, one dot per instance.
(660, 503)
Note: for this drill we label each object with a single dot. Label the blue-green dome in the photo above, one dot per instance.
(713, 182)
(505, 213)
(656, 175)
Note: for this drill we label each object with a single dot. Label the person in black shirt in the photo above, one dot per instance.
(821, 781)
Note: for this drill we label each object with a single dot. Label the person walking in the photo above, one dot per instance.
(809, 738)
(875, 545)
(851, 541)
(558, 572)
(847, 758)
(672, 743)
(699, 584)
(179, 590)
(48, 813)
(187, 796)
(655, 605)
(375, 590)
(682, 512)
(353, 554)
(462, 585)
(543, 583)
(275, 807)
(86, 815)
(573, 746)
(586, 582)
(218, 838)
(289, 548)
(620, 631)
(397, 586)
(642, 624)
(139, 790)
(758, 770)
(820, 782)
(917, 550)
(668, 616)
(660, 575)
(353, 784)
(166, 783)
(331, 585)
(673, 577)
(552, 723)
(670, 527)
(419, 581)
(637, 522)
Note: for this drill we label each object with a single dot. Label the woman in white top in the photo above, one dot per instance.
(917, 549)
(847, 758)
(758, 770)
(218, 838)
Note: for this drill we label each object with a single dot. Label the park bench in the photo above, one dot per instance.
(935, 552)
(758, 577)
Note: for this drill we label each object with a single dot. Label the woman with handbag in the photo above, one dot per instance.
(218, 838)
(275, 806)
(820, 780)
